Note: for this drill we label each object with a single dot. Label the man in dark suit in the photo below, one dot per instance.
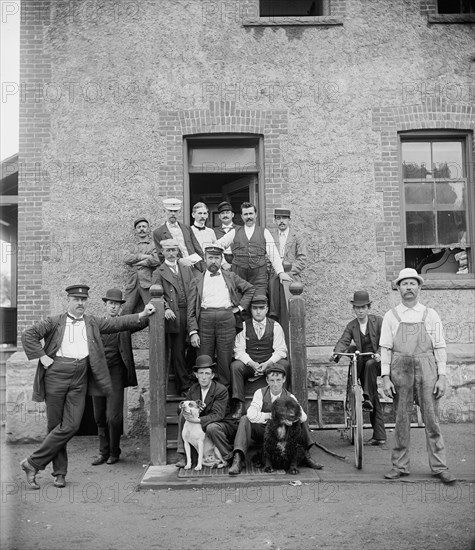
(141, 259)
(226, 216)
(365, 332)
(214, 396)
(190, 253)
(293, 250)
(175, 279)
(216, 300)
(72, 352)
(109, 409)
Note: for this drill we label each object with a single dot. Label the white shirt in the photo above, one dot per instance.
(173, 267)
(271, 249)
(205, 237)
(74, 344)
(278, 344)
(255, 414)
(215, 291)
(433, 326)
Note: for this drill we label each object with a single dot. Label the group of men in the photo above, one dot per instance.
(217, 286)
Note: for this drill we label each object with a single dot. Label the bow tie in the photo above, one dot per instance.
(75, 319)
(199, 228)
(215, 274)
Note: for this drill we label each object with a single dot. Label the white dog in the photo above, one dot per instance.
(193, 434)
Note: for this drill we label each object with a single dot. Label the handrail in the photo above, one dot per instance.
(297, 344)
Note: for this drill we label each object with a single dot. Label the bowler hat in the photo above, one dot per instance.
(214, 248)
(224, 206)
(275, 368)
(172, 204)
(204, 362)
(80, 291)
(259, 300)
(361, 298)
(408, 273)
(284, 212)
(114, 295)
(138, 220)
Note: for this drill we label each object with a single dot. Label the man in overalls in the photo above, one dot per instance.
(413, 365)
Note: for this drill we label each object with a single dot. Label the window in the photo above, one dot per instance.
(294, 8)
(437, 197)
(445, 7)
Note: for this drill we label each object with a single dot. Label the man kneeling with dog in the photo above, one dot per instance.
(213, 400)
(252, 426)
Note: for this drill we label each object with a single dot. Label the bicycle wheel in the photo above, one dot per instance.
(357, 426)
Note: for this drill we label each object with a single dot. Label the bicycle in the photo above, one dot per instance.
(354, 405)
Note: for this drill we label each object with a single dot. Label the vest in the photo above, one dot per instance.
(366, 342)
(266, 399)
(111, 349)
(249, 254)
(181, 290)
(260, 350)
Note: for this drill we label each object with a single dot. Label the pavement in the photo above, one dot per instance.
(133, 472)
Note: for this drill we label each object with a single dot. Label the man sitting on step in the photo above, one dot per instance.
(259, 345)
(252, 426)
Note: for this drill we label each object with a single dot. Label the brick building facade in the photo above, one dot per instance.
(331, 110)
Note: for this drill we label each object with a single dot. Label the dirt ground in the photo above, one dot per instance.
(100, 508)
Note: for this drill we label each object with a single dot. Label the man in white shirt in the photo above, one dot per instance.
(70, 350)
(413, 364)
(204, 235)
(260, 345)
(252, 426)
(250, 245)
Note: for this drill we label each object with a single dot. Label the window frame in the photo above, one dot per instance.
(466, 138)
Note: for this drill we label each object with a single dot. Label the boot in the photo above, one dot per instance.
(237, 465)
(238, 410)
(311, 463)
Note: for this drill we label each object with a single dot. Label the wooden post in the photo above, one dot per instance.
(158, 380)
(298, 348)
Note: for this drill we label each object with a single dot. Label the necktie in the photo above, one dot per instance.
(259, 331)
(215, 274)
(199, 228)
(75, 319)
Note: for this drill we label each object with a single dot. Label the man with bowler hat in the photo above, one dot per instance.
(260, 345)
(108, 409)
(293, 250)
(364, 332)
(226, 216)
(212, 394)
(70, 350)
(217, 298)
(175, 278)
(141, 259)
(413, 366)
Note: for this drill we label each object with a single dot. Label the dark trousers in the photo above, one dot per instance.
(178, 349)
(217, 329)
(109, 414)
(275, 292)
(134, 296)
(241, 372)
(256, 276)
(368, 372)
(248, 431)
(66, 386)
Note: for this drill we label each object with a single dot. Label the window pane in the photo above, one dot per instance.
(420, 228)
(284, 8)
(451, 227)
(451, 194)
(419, 193)
(224, 157)
(447, 160)
(416, 159)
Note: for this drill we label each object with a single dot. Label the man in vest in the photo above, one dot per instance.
(413, 364)
(259, 345)
(226, 216)
(249, 245)
(252, 426)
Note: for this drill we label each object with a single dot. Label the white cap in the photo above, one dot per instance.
(172, 204)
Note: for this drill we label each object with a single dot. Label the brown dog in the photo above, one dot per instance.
(193, 434)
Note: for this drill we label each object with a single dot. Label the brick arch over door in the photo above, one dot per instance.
(225, 118)
(388, 121)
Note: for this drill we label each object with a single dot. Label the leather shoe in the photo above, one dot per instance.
(376, 442)
(112, 459)
(446, 477)
(30, 472)
(238, 411)
(367, 405)
(59, 481)
(395, 474)
(311, 463)
(181, 462)
(237, 465)
(99, 460)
